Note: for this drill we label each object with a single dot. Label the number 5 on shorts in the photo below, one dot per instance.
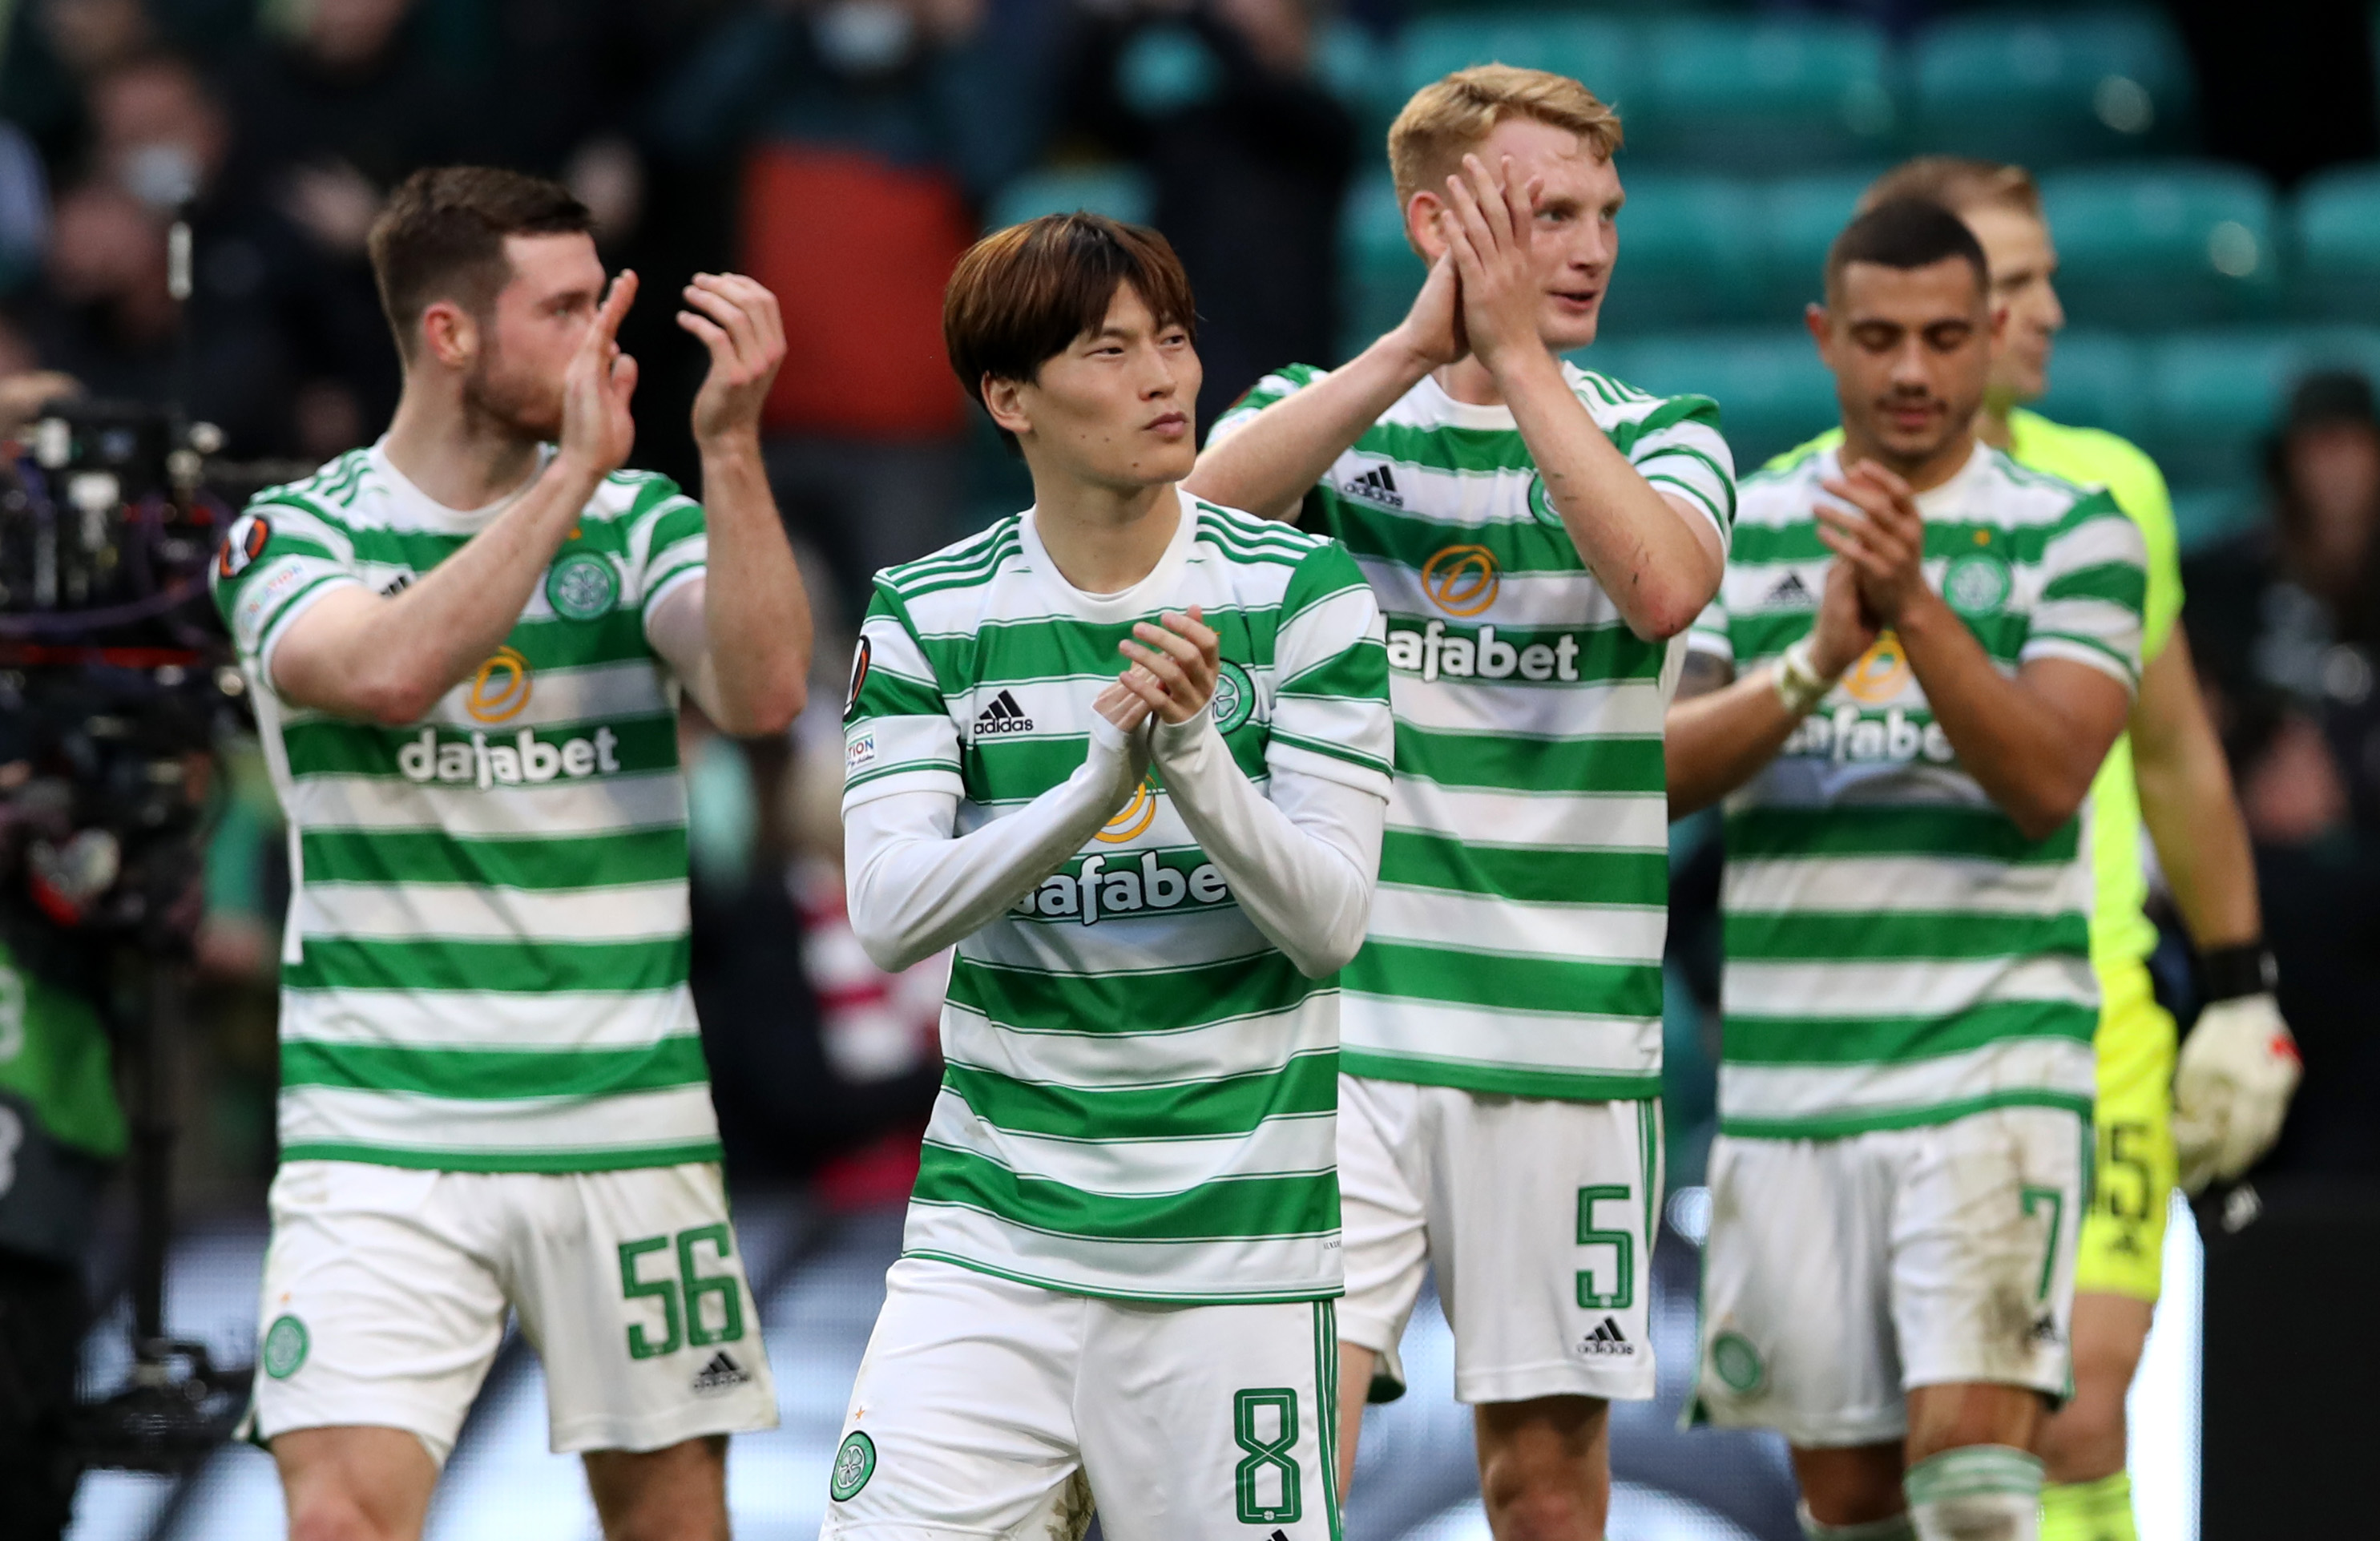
(689, 1286)
(1623, 1295)
(1266, 1453)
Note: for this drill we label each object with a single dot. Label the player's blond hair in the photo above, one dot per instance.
(1958, 183)
(1451, 115)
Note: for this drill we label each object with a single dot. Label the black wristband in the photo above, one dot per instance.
(2233, 972)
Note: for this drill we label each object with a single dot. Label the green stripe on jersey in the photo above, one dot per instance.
(1526, 848)
(421, 857)
(1530, 874)
(1229, 1209)
(1760, 1040)
(513, 966)
(1898, 950)
(474, 892)
(493, 1074)
(1140, 1090)
(1306, 1086)
(611, 1156)
(1538, 985)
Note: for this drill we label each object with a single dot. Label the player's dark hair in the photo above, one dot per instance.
(1907, 234)
(1020, 296)
(441, 236)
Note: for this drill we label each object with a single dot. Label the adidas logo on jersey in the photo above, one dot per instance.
(1606, 1339)
(721, 1373)
(1790, 589)
(1098, 891)
(1003, 716)
(477, 763)
(1377, 485)
(1848, 737)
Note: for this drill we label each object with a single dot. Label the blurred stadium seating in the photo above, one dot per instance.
(1779, 93)
(2336, 233)
(2067, 84)
(2164, 245)
(2195, 291)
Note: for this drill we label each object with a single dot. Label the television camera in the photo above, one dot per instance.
(117, 685)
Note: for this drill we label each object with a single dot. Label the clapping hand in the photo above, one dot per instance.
(737, 319)
(1175, 665)
(1882, 537)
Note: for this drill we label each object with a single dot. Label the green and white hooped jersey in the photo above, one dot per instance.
(1141, 1091)
(1898, 952)
(485, 962)
(1516, 935)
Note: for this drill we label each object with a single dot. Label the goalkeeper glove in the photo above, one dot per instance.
(2237, 1072)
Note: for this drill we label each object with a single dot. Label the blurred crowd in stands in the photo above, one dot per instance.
(2284, 623)
(844, 151)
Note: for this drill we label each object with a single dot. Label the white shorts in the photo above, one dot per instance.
(1538, 1216)
(1840, 1273)
(385, 1289)
(985, 1407)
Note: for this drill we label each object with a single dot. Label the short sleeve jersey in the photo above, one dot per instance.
(2122, 935)
(1140, 1091)
(1898, 952)
(485, 963)
(1516, 935)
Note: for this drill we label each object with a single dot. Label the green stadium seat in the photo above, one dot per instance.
(1689, 254)
(2164, 245)
(1771, 390)
(2337, 228)
(1799, 217)
(1378, 274)
(1360, 70)
(2098, 380)
(1118, 191)
(2215, 397)
(1598, 51)
(1768, 95)
(1165, 68)
(2048, 87)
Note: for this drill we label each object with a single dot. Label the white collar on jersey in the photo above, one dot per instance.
(1935, 501)
(417, 510)
(1434, 400)
(1150, 593)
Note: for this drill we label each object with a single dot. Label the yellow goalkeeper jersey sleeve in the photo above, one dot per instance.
(2120, 930)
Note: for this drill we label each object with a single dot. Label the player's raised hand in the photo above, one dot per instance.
(736, 318)
(1882, 536)
(1491, 235)
(597, 429)
(1178, 664)
(1432, 330)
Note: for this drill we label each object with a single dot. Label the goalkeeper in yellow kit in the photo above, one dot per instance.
(2158, 1124)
